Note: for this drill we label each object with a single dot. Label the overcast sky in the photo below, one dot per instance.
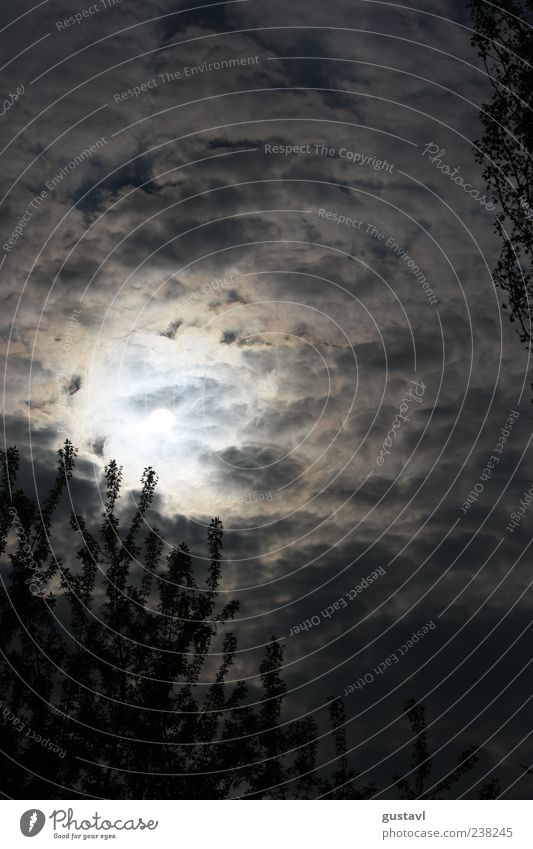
(241, 259)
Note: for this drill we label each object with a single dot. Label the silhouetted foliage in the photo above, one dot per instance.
(504, 40)
(108, 658)
(417, 788)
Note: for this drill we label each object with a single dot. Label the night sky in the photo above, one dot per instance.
(234, 247)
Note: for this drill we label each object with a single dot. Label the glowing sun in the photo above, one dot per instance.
(160, 421)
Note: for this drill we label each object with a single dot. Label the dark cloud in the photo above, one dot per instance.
(183, 221)
(73, 386)
(170, 332)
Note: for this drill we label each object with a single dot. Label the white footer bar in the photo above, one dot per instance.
(268, 824)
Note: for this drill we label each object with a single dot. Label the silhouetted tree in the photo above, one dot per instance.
(416, 788)
(108, 657)
(504, 40)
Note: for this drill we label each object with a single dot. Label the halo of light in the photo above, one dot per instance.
(160, 421)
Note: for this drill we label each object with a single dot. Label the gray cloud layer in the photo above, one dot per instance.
(209, 280)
